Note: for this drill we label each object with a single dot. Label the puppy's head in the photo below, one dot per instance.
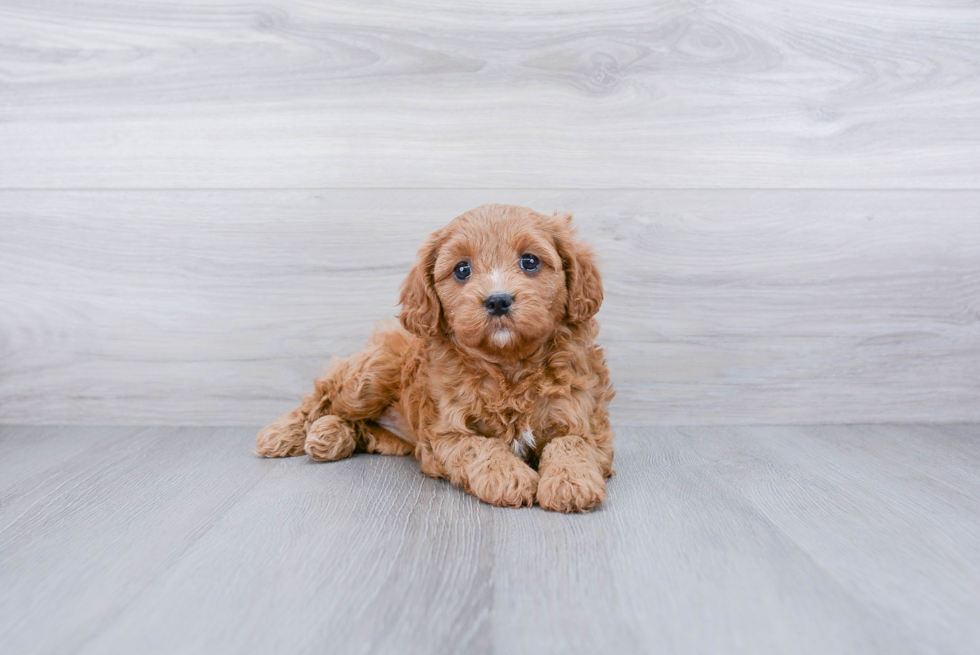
(501, 279)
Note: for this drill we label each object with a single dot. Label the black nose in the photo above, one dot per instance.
(498, 304)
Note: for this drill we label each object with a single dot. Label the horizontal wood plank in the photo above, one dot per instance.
(219, 307)
(464, 94)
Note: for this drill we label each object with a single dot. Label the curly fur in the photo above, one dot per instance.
(513, 409)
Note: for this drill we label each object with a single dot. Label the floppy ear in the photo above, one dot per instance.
(421, 311)
(581, 272)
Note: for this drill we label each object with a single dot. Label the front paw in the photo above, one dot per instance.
(571, 488)
(504, 481)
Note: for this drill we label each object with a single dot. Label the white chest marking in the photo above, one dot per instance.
(522, 444)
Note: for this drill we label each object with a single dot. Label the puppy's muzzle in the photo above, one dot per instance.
(498, 304)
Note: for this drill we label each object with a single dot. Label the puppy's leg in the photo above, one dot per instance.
(573, 475)
(372, 438)
(484, 467)
(332, 437)
(362, 386)
(358, 388)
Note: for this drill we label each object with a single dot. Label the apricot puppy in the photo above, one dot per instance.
(492, 381)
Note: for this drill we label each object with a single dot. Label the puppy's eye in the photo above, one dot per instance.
(530, 263)
(462, 271)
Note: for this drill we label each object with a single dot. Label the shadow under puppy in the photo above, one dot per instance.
(495, 382)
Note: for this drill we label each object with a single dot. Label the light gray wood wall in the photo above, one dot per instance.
(469, 93)
(200, 202)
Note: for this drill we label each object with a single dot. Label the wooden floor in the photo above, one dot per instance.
(859, 539)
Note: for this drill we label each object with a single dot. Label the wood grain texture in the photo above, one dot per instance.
(616, 94)
(676, 561)
(365, 556)
(82, 540)
(713, 539)
(219, 307)
(887, 509)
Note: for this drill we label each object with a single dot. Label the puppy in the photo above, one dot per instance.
(492, 381)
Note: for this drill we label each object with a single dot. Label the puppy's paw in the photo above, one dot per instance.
(504, 481)
(576, 488)
(330, 438)
(284, 438)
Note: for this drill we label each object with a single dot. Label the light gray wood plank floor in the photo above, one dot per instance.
(843, 539)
